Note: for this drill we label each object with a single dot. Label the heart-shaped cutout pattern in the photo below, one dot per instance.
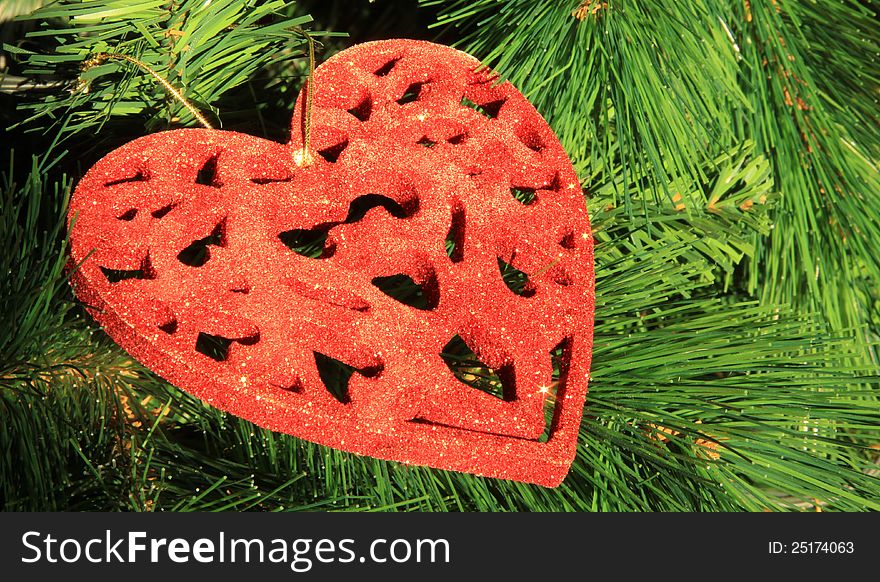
(273, 291)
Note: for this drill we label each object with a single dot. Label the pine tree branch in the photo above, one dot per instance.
(204, 49)
(623, 86)
(821, 253)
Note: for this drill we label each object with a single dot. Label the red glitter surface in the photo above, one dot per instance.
(182, 234)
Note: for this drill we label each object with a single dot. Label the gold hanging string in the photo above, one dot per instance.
(100, 58)
(546, 268)
(304, 158)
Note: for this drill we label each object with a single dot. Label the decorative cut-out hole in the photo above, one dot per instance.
(490, 109)
(523, 195)
(402, 288)
(140, 176)
(530, 138)
(366, 202)
(561, 278)
(242, 288)
(333, 296)
(468, 369)
(455, 236)
(169, 326)
(160, 212)
(332, 153)
(145, 271)
(214, 346)
(426, 142)
(363, 110)
(197, 253)
(412, 93)
(128, 215)
(386, 68)
(272, 180)
(568, 241)
(457, 139)
(294, 387)
(516, 280)
(336, 374)
(560, 357)
(207, 175)
(354, 303)
(310, 243)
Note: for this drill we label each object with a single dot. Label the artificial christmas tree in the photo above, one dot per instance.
(727, 154)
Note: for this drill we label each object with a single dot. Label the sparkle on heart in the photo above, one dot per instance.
(261, 286)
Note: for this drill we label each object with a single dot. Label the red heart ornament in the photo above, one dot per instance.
(225, 267)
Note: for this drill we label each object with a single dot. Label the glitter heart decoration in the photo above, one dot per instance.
(346, 302)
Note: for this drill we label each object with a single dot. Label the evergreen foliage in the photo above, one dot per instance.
(206, 48)
(729, 157)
